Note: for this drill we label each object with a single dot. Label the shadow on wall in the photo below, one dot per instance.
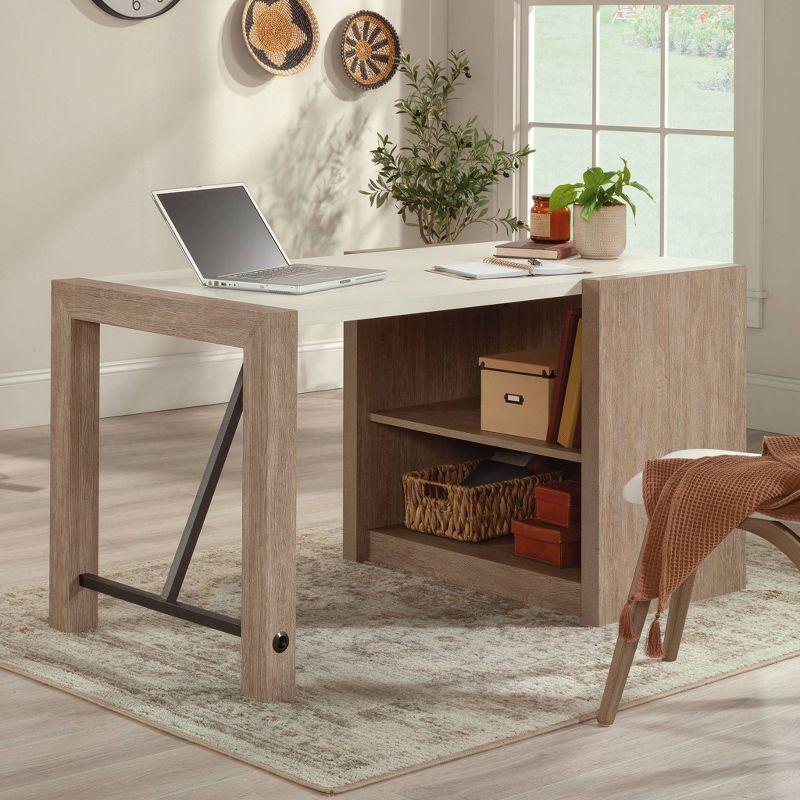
(310, 186)
(242, 73)
(97, 15)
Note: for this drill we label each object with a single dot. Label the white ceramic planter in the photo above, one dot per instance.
(604, 235)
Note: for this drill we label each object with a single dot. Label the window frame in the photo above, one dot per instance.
(747, 133)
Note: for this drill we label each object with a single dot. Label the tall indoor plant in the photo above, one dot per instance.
(601, 209)
(442, 176)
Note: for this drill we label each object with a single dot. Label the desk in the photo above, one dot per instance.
(664, 369)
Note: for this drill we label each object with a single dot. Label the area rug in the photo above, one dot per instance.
(394, 672)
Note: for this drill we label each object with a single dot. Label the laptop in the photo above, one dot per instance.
(231, 246)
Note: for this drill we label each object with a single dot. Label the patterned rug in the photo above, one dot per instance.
(395, 672)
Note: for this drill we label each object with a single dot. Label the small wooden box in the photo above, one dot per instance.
(516, 391)
(559, 503)
(551, 544)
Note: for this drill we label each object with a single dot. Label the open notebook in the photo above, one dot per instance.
(503, 268)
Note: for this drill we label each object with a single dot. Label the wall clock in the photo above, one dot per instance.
(135, 9)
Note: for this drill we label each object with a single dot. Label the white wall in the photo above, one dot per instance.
(97, 112)
(774, 351)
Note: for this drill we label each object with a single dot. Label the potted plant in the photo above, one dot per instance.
(441, 179)
(601, 213)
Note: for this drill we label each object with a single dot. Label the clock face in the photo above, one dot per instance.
(136, 9)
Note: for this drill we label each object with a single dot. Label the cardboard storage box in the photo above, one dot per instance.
(559, 503)
(551, 544)
(516, 391)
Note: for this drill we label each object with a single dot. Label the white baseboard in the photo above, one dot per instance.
(196, 379)
(162, 382)
(773, 403)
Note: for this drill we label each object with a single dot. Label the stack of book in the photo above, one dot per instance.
(527, 248)
(564, 424)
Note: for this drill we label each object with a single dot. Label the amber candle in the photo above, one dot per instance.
(546, 225)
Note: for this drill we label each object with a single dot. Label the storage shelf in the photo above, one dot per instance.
(489, 566)
(461, 419)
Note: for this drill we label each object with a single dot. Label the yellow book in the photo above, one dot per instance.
(572, 399)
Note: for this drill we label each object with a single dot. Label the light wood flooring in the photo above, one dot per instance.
(738, 738)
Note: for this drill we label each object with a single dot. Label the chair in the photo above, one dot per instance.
(784, 535)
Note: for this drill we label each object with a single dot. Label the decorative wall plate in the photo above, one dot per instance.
(281, 35)
(370, 49)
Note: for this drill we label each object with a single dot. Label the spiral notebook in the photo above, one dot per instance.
(505, 268)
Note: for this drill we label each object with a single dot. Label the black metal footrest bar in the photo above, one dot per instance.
(174, 608)
(167, 602)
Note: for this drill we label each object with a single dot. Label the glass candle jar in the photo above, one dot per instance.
(546, 225)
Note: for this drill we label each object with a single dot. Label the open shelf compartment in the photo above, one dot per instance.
(488, 566)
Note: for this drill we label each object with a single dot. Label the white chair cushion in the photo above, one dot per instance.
(632, 493)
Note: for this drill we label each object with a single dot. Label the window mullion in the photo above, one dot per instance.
(662, 186)
(595, 80)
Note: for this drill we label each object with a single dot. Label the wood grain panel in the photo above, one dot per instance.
(412, 360)
(74, 468)
(203, 319)
(664, 369)
(269, 496)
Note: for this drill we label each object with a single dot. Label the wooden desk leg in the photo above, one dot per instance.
(74, 468)
(652, 385)
(269, 492)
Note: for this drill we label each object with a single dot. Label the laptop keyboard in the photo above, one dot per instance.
(278, 272)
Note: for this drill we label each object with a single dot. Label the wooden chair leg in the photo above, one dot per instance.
(676, 619)
(624, 653)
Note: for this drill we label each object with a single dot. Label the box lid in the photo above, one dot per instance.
(535, 361)
(562, 493)
(545, 531)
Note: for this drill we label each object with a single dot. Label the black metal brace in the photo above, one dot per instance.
(167, 602)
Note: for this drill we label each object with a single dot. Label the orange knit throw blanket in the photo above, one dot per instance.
(693, 504)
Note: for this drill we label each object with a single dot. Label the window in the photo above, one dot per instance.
(650, 82)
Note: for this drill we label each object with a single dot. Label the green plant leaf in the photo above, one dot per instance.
(637, 185)
(629, 202)
(562, 196)
(593, 176)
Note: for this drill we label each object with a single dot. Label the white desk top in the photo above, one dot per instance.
(408, 288)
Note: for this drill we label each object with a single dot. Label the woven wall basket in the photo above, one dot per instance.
(370, 49)
(436, 502)
(281, 35)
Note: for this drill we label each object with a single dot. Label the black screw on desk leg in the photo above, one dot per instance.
(280, 642)
(205, 493)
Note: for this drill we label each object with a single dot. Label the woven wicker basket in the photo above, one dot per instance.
(437, 503)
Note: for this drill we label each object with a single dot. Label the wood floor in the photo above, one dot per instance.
(734, 739)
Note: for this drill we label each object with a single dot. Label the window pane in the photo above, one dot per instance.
(700, 197)
(630, 65)
(561, 60)
(561, 156)
(700, 67)
(642, 153)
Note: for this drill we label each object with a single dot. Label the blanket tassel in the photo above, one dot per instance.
(625, 631)
(654, 647)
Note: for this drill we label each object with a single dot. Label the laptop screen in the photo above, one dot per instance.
(221, 230)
